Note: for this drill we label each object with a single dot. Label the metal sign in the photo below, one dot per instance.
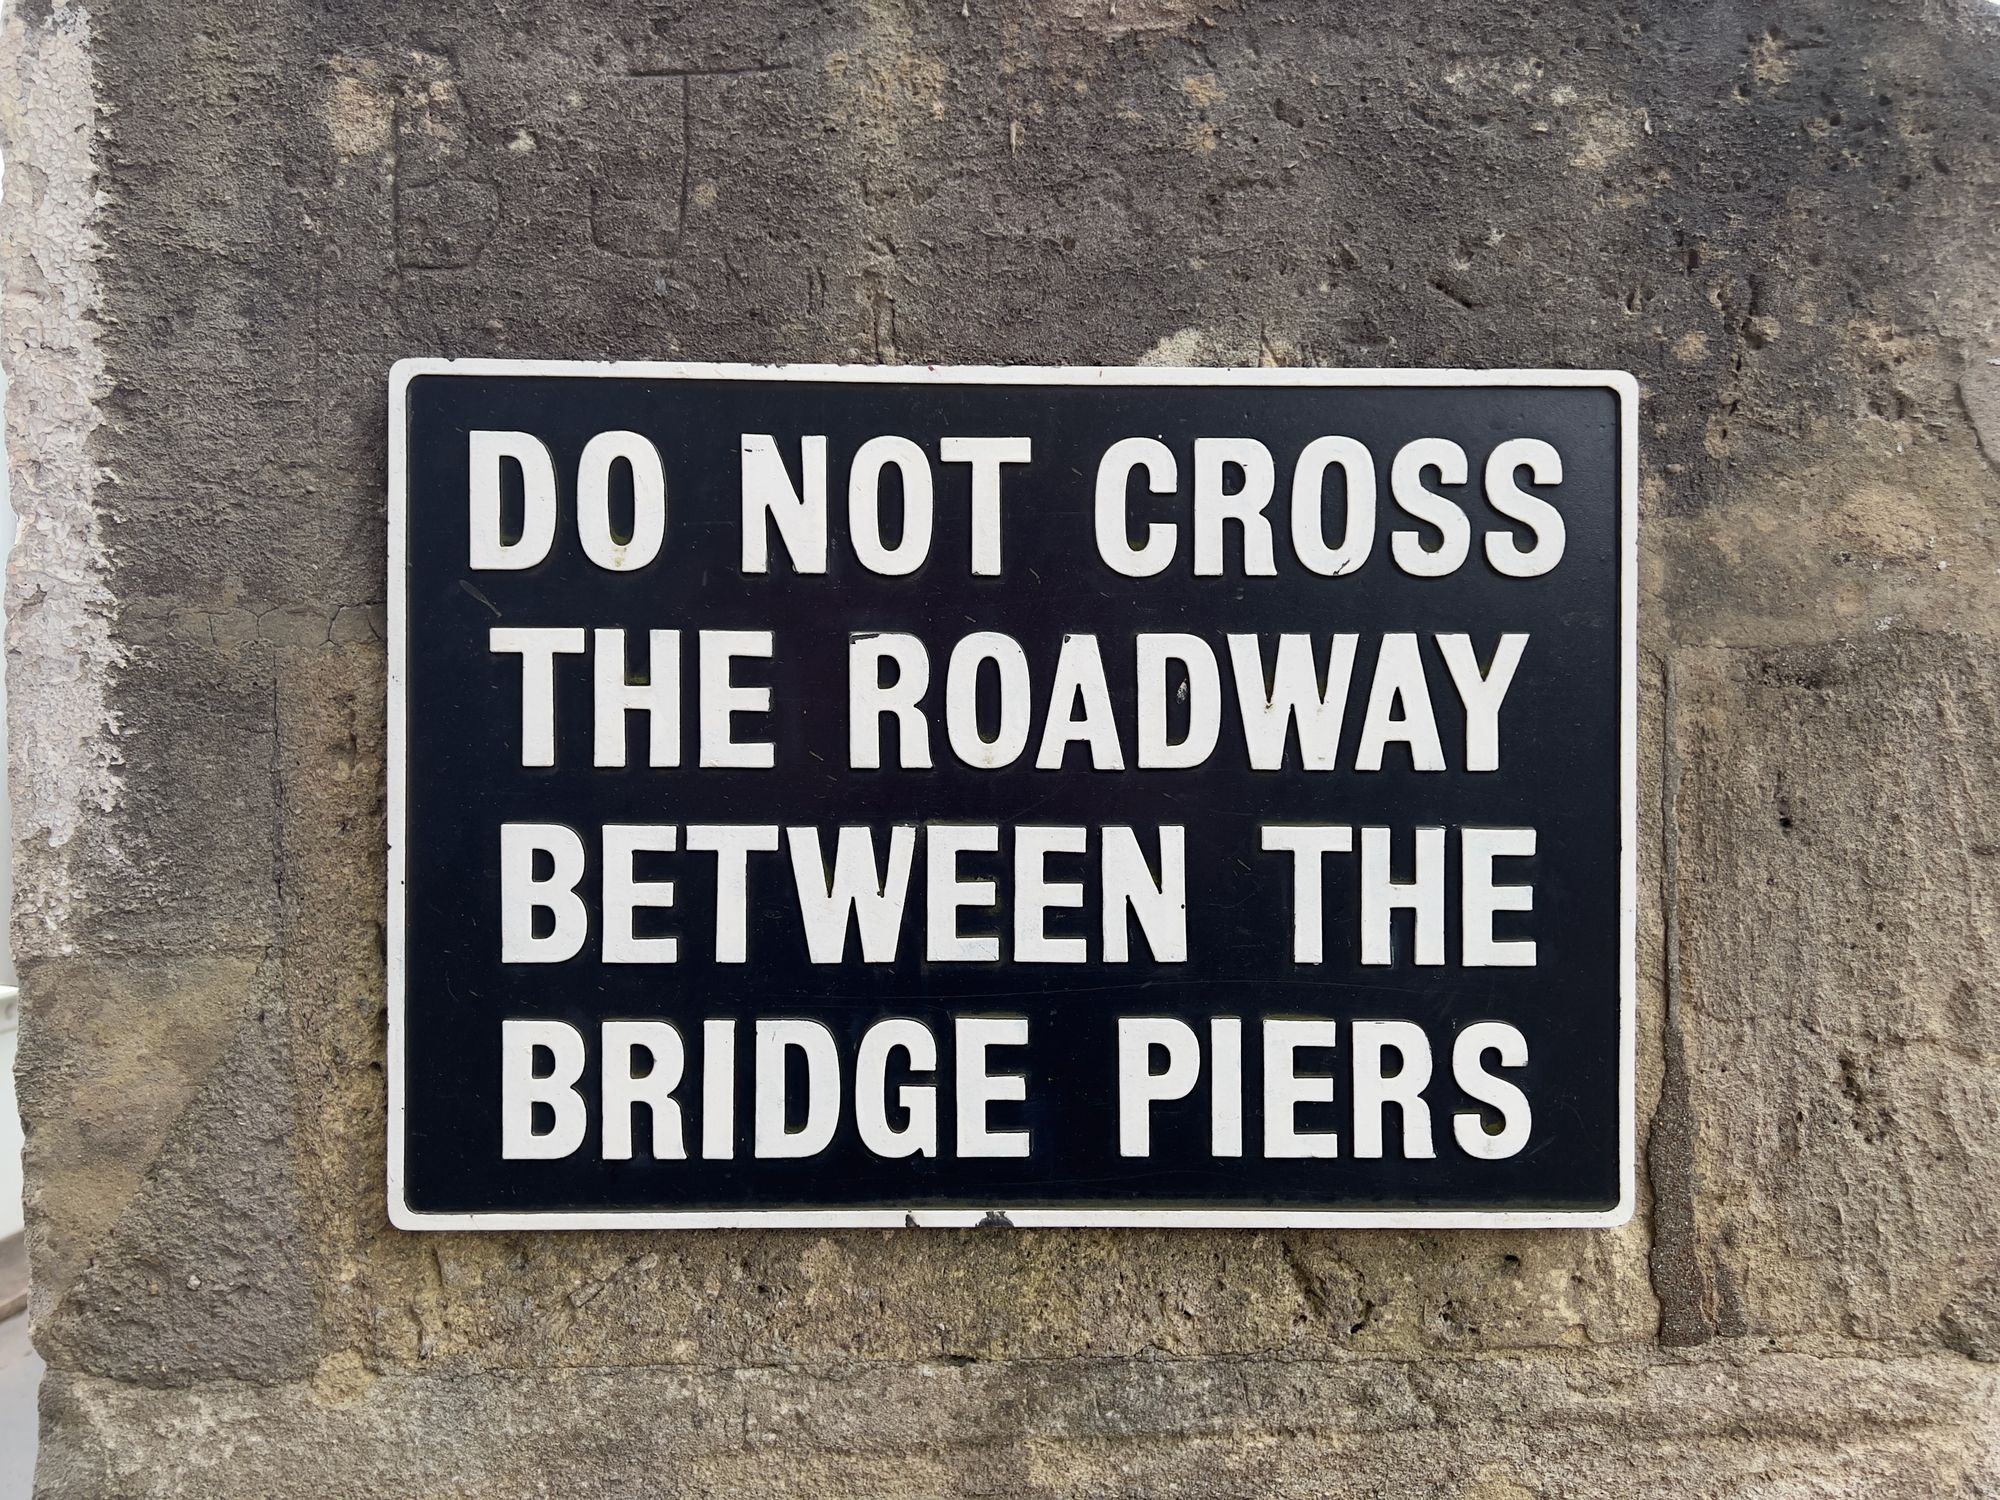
(829, 796)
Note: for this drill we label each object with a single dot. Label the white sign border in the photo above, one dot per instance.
(1627, 388)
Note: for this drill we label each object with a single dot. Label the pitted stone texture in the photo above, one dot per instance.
(118, 1057)
(1770, 1426)
(460, 1305)
(203, 1276)
(1838, 909)
(197, 874)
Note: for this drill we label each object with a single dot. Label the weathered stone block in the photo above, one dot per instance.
(1837, 809)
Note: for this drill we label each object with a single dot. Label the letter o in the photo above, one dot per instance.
(864, 506)
(1357, 539)
(961, 700)
(593, 501)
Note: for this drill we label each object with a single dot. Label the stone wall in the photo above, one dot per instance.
(223, 222)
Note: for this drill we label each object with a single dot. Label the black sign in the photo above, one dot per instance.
(872, 796)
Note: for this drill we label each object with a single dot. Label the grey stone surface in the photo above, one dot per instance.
(221, 224)
(1837, 909)
(1602, 1424)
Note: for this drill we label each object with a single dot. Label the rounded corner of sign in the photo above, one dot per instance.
(402, 1216)
(1618, 1215)
(1626, 384)
(1624, 1209)
(408, 368)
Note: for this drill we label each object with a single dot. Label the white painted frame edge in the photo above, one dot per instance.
(1627, 389)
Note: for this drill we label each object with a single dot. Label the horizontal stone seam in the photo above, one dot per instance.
(1806, 1421)
(1969, 635)
(1874, 1041)
(1715, 1356)
(1913, 1353)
